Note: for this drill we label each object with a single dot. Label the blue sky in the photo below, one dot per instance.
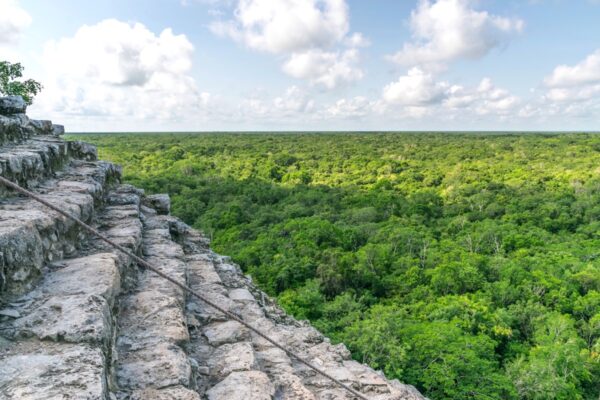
(309, 64)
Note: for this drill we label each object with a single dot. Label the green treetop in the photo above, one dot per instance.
(11, 85)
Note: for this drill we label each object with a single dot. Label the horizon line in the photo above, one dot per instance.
(337, 131)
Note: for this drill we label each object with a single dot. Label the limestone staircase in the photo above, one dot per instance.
(79, 320)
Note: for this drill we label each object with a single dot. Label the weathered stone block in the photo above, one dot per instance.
(230, 358)
(243, 385)
(160, 202)
(171, 393)
(157, 365)
(84, 151)
(220, 333)
(58, 130)
(12, 105)
(41, 371)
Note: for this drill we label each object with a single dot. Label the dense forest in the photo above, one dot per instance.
(465, 264)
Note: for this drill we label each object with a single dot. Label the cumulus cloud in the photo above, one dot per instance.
(312, 35)
(570, 91)
(357, 39)
(13, 20)
(444, 31)
(420, 94)
(577, 83)
(294, 100)
(356, 107)
(447, 30)
(485, 99)
(286, 25)
(293, 104)
(416, 88)
(584, 73)
(329, 69)
(122, 70)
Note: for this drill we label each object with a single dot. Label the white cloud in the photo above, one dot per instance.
(568, 95)
(357, 39)
(447, 30)
(284, 26)
(483, 100)
(584, 73)
(416, 88)
(311, 34)
(444, 31)
(572, 91)
(293, 101)
(293, 104)
(419, 94)
(356, 107)
(13, 20)
(120, 70)
(577, 83)
(327, 69)
(565, 95)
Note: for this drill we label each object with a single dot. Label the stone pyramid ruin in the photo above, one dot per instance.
(80, 320)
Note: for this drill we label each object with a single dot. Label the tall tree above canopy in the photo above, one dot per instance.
(11, 84)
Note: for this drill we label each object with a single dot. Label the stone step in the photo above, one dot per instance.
(39, 371)
(14, 128)
(120, 222)
(60, 336)
(31, 234)
(291, 378)
(72, 303)
(17, 127)
(30, 162)
(243, 385)
(151, 361)
(229, 367)
(225, 360)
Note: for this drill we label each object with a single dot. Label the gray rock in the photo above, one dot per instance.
(165, 250)
(160, 202)
(170, 393)
(10, 313)
(290, 387)
(205, 271)
(84, 151)
(12, 105)
(94, 275)
(219, 333)
(232, 357)
(41, 127)
(241, 295)
(150, 316)
(58, 130)
(405, 392)
(157, 365)
(23, 254)
(243, 385)
(73, 319)
(40, 371)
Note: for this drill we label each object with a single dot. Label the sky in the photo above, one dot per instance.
(253, 65)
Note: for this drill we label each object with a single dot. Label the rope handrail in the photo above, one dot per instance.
(186, 288)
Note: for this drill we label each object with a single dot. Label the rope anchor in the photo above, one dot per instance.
(147, 265)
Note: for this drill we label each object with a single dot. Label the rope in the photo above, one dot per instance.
(186, 288)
